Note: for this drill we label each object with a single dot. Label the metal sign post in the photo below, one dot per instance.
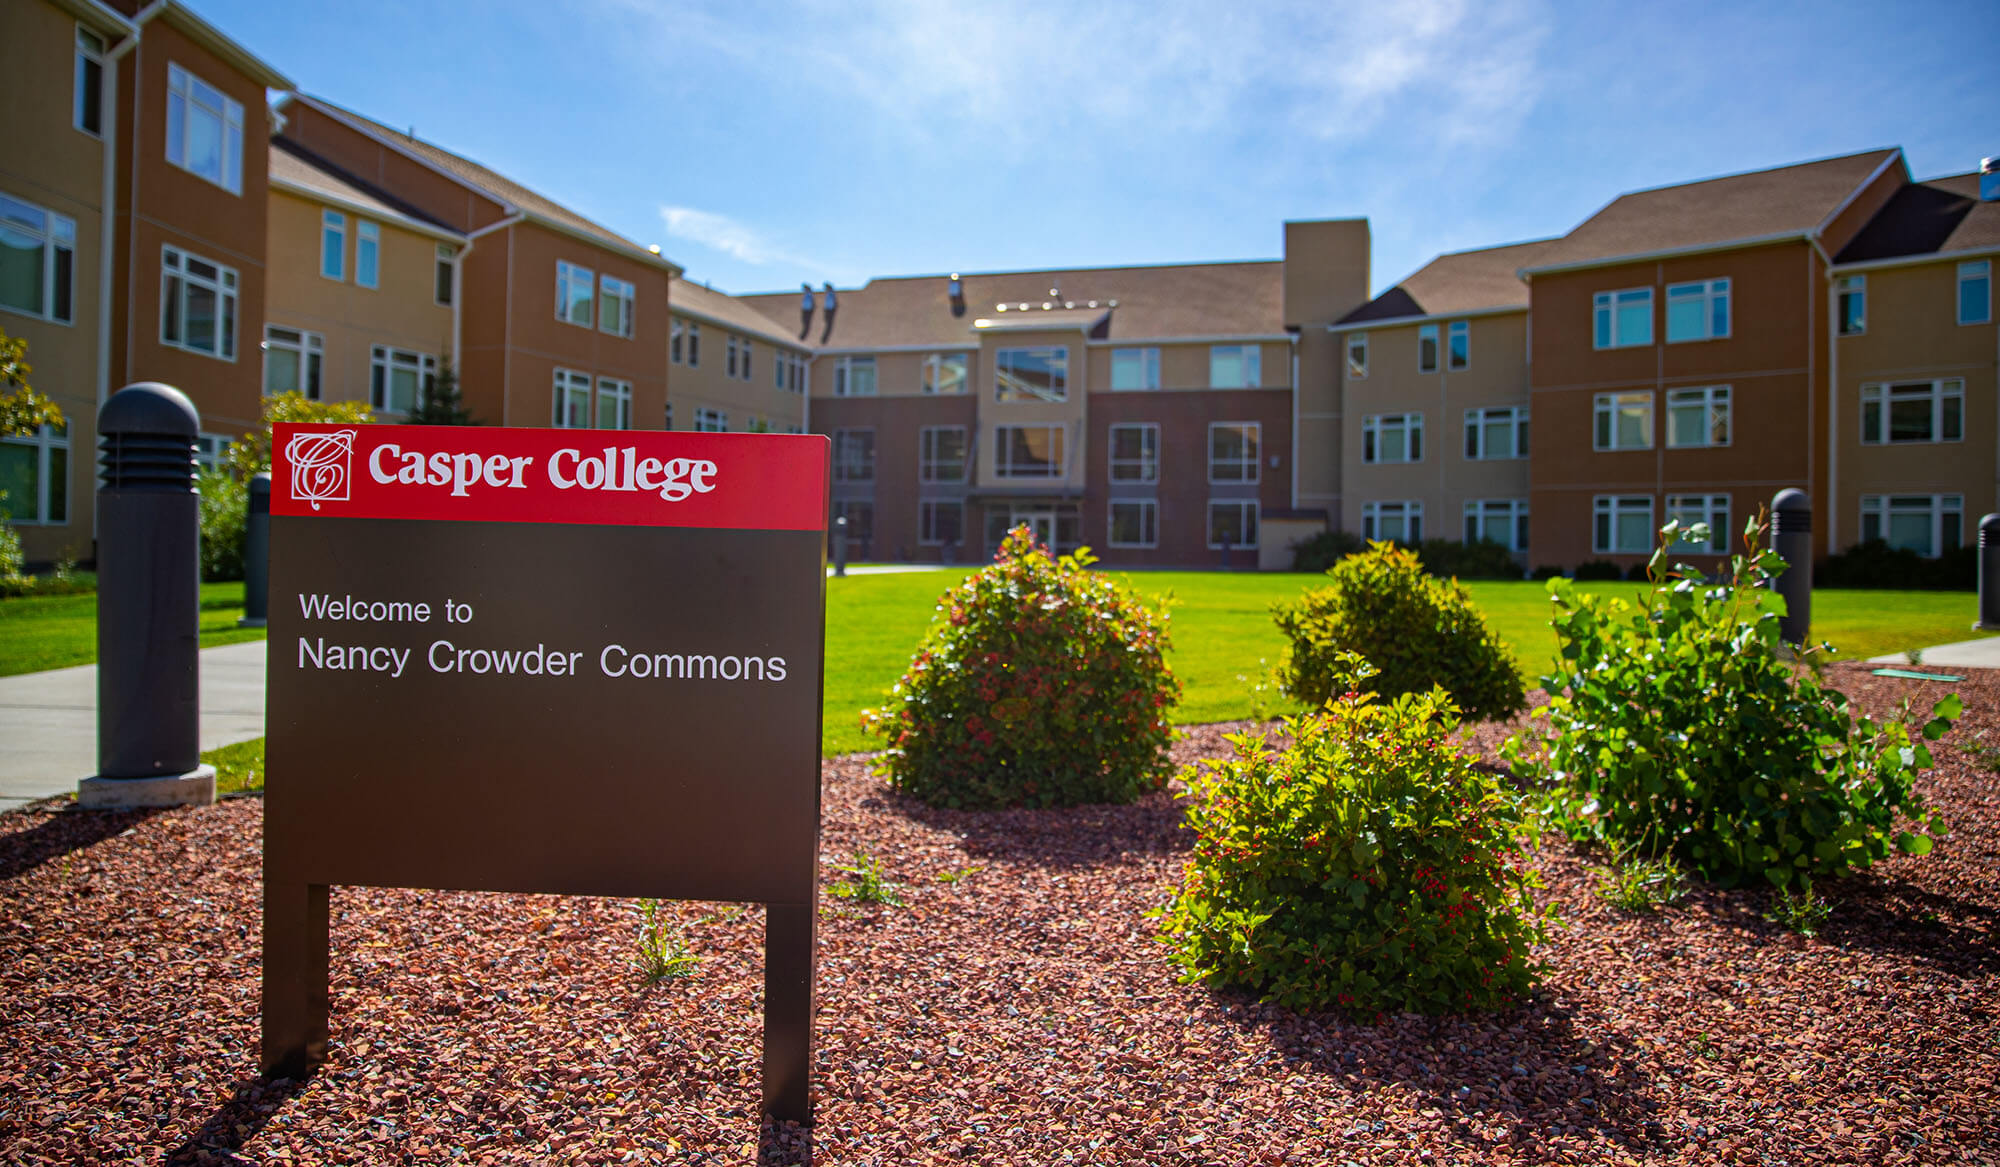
(618, 637)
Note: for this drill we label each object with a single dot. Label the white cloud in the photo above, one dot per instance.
(724, 234)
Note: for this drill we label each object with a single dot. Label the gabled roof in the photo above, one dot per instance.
(297, 169)
(1936, 217)
(685, 296)
(216, 41)
(489, 182)
(1482, 280)
(1170, 302)
(1761, 206)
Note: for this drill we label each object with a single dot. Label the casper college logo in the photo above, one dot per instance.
(320, 466)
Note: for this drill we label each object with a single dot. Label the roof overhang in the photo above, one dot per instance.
(680, 308)
(1666, 253)
(1395, 321)
(1042, 320)
(1218, 338)
(382, 214)
(577, 233)
(216, 41)
(1958, 256)
(98, 15)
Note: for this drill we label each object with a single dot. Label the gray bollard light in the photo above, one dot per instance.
(1989, 572)
(950, 552)
(148, 605)
(257, 554)
(840, 545)
(1791, 537)
(1225, 553)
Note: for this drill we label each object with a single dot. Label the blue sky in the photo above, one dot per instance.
(763, 144)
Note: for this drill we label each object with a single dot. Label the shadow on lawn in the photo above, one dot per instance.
(1063, 837)
(61, 832)
(248, 1110)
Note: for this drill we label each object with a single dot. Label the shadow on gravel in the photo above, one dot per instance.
(247, 1112)
(1877, 915)
(784, 1144)
(1060, 838)
(61, 832)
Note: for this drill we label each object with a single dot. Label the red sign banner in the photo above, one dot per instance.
(633, 478)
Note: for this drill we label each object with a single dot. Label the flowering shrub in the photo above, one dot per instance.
(1370, 867)
(1416, 630)
(1041, 683)
(1680, 727)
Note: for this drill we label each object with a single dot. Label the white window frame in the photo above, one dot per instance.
(333, 232)
(749, 373)
(569, 278)
(1690, 509)
(1975, 271)
(1249, 360)
(309, 347)
(56, 238)
(667, 420)
(187, 97)
(1410, 511)
(729, 368)
(45, 442)
(1145, 362)
(1613, 507)
(1717, 407)
(849, 438)
(1515, 420)
(931, 466)
(1880, 398)
(1458, 345)
(1149, 522)
(1851, 289)
(89, 51)
(1713, 296)
(226, 286)
(570, 402)
(386, 360)
(1513, 512)
(1143, 468)
(1357, 368)
(616, 395)
(693, 335)
(1249, 467)
(1604, 435)
(1606, 310)
(1427, 348)
(208, 450)
(927, 512)
(1377, 426)
(711, 421)
(848, 381)
(675, 332)
(1003, 464)
(623, 293)
(935, 366)
(1878, 509)
(367, 254)
(1055, 356)
(444, 276)
(1247, 515)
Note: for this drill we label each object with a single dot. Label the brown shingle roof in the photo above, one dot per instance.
(1154, 303)
(295, 165)
(1781, 201)
(730, 311)
(1463, 281)
(1924, 218)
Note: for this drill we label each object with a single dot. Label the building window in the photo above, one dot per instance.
(398, 381)
(572, 401)
(675, 332)
(89, 113)
(667, 421)
(367, 253)
(860, 516)
(1498, 520)
(1496, 434)
(197, 304)
(445, 267)
(1852, 293)
(944, 374)
(941, 454)
(333, 245)
(854, 377)
(1698, 417)
(1357, 355)
(1918, 411)
(748, 348)
(940, 522)
(614, 404)
(1028, 451)
(1459, 348)
(1031, 374)
(1624, 524)
(1393, 522)
(1624, 421)
(694, 345)
(710, 421)
(292, 361)
(854, 455)
(1689, 509)
(729, 369)
(1134, 369)
(1975, 292)
(1427, 348)
(1392, 437)
(1135, 522)
(1622, 319)
(795, 373)
(1232, 522)
(34, 476)
(1232, 451)
(208, 450)
(1135, 452)
(1928, 524)
(573, 293)
(37, 261)
(1235, 366)
(1697, 311)
(204, 130)
(616, 298)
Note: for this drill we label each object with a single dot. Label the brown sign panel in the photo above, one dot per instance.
(519, 660)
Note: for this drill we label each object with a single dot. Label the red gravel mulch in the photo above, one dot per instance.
(1020, 1013)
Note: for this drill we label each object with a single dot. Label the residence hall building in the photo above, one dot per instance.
(733, 368)
(132, 245)
(556, 319)
(1149, 412)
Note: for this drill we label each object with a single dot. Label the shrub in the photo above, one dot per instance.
(1041, 683)
(1324, 550)
(12, 562)
(1546, 571)
(1597, 569)
(1483, 559)
(1682, 727)
(225, 505)
(251, 453)
(1417, 631)
(1370, 866)
(1875, 564)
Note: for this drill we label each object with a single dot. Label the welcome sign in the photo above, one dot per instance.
(561, 661)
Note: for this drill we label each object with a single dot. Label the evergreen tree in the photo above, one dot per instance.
(441, 404)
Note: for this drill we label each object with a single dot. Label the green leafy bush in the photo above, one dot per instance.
(1597, 569)
(1417, 631)
(1371, 866)
(1324, 550)
(1875, 564)
(225, 504)
(1481, 559)
(1681, 727)
(1041, 683)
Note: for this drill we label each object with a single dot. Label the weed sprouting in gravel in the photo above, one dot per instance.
(664, 952)
(866, 883)
(1804, 912)
(1640, 883)
(959, 875)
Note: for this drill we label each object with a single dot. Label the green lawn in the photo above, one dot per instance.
(54, 632)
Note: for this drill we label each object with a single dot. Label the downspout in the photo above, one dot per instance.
(139, 22)
(1295, 421)
(458, 296)
(1829, 506)
(107, 223)
(806, 412)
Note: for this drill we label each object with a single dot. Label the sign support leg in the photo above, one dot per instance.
(296, 943)
(788, 1006)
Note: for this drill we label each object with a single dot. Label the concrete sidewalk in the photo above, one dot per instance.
(48, 721)
(1983, 653)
